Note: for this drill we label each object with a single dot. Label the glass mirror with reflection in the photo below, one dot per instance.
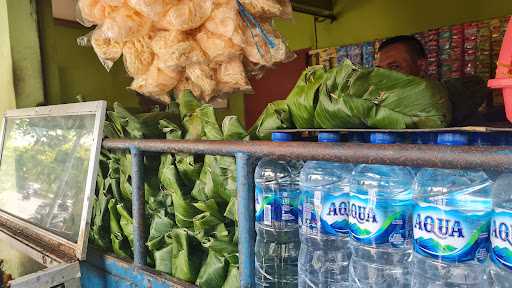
(43, 170)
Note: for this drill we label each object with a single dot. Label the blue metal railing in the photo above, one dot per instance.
(498, 158)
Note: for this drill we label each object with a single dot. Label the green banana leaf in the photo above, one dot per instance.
(231, 210)
(169, 177)
(160, 226)
(233, 277)
(190, 201)
(391, 100)
(304, 96)
(223, 233)
(120, 245)
(205, 224)
(188, 103)
(209, 206)
(199, 190)
(184, 211)
(160, 204)
(140, 126)
(126, 223)
(163, 259)
(100, 226)
(233, 129)
(171, 130)
(213, 273)
(209, 123)
(188, 166)
(187, 255)
(331, 112)
(221, 247)
(275, 116)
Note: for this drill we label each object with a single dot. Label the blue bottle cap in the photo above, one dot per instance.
(423, 138)
(384, 138)
(282, 137)
(482, 139)
(504, 138)
(358, 137)
(453, 139)
(329, 137)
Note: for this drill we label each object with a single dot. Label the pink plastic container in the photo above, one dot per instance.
(504, 72)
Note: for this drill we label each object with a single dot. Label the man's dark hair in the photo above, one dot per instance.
(413, 44)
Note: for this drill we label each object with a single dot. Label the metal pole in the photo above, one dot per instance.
(139, 249)
(246, 213)
(435, 156)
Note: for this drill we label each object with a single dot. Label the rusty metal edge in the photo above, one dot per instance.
(435, 156)
(52, 249)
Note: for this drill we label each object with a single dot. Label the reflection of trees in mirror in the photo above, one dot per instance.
(51, 158)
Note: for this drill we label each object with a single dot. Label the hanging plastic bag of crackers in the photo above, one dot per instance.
(107, 50)
(264, 46)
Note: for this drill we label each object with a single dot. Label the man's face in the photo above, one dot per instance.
(397, 57)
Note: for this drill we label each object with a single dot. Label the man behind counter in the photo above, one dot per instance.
(403, 54)
(407, 55)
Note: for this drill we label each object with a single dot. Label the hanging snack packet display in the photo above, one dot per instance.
(457, 51)
(355, 54)
(168, 46)
(341, 54)
(497, 35)
(484, 51)
(445, 52)
(432, 50)
(470, 48)
(368, 55)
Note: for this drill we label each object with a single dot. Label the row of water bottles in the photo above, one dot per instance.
(327, 224)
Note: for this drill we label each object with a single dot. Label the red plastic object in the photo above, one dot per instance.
(504, 72)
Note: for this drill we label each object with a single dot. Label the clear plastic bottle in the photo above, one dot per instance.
(501, 233)
(380, 223)
(483, 139)
(324, 232)
(426, 138)
(358, 137)
(451, 225)
(277, 241)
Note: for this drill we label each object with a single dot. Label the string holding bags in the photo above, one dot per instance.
(168, 46)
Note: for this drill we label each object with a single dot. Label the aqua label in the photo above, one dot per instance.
(325, 213)
(450, 235)
(385, 221)
(501, 238)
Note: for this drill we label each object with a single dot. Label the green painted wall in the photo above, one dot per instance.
(70, 70)
(363, 20)
(26, 56)
(7, 99)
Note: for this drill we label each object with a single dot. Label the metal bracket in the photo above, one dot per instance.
(319, 8)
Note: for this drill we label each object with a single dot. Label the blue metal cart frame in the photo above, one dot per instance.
(466, 157)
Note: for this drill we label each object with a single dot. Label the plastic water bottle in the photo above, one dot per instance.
(483, 139)
(358, 137)
(422, 138)
(501, 233)
(277, 240)
(451, 225)
(425, 138)
(324, 232)
(380, 223)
